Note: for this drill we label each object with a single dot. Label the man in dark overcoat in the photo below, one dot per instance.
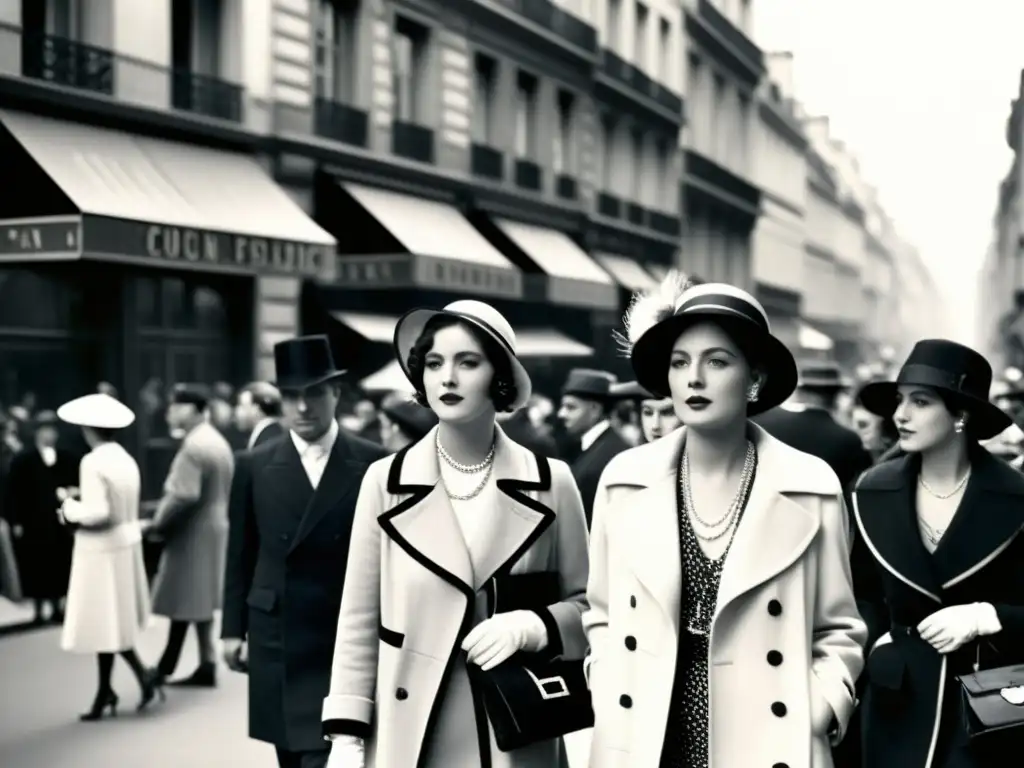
(585, 411)
(292, 505)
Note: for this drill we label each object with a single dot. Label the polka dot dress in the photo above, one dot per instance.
(686, 735)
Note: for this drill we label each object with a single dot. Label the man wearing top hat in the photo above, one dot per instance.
(292, 509)
(807, 424)
(585, 412)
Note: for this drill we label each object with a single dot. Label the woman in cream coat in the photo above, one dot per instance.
(108, 594)
(722, 621)
(442, 530)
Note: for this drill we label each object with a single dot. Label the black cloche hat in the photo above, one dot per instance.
(959, 373)
(304, 362)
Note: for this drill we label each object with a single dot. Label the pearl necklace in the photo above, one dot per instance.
(486, 466)
(954, 492)
(727, 521)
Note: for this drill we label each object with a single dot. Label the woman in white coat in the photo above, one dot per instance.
(108, 595)
(722, 622)
(445, 532)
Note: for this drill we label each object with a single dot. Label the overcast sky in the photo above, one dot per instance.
(921, 90)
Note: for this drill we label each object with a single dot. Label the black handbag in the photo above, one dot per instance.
(531, 697)
(993, 702)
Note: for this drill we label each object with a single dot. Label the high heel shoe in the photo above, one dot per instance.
(152, 688)
(104, 700)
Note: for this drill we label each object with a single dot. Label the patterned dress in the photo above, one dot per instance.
(686, 734)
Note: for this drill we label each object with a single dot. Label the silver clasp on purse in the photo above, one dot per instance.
(1014, 695)
(562, 689)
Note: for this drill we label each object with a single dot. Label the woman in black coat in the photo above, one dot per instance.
(946, 597)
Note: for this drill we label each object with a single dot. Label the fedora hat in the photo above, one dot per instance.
(957, 372)
(655, 320)
(304, 362)
(631, 390)
(481, 316)
(98, 410)
(822, 376)
(589, 383)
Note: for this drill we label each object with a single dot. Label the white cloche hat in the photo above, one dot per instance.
(99, 411)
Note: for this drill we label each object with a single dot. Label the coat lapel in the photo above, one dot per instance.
(288, 479)
(884, 506)
(341, 477)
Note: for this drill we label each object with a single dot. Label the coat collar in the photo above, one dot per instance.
(990, 515)
(652, 529)
(423, 523)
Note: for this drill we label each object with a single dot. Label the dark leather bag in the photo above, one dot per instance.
(993, 702)
(531, 697)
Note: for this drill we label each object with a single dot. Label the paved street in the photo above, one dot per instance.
(44, 689)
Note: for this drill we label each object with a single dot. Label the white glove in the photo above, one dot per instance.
(346, 752)
(494, 640)
(949, 628)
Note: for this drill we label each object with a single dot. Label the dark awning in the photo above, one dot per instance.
(147, 200)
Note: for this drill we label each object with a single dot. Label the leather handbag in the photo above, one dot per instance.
(531, 697)
(993, 702)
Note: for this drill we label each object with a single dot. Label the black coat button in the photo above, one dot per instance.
(778, 709)
(632, 601)
(401, 694)
(625, 702)
(774, 608)
(630, 643)
(781, 765)
(774, 658)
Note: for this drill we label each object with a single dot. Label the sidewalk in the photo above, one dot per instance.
(15, 617)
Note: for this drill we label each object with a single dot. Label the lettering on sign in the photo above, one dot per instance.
(365, 272)
(256, 253)
(452, 273)
(44, 237)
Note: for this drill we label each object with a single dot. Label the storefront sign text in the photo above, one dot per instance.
(26, 238)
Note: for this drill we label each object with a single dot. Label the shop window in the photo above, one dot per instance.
(33, 300)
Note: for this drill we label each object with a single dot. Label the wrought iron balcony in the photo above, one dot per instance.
(487, 162)
(550, 17)
(609, 205)
(528, 175)
(412, 141)
(67, 62)
(205, 95)
(665, 224)
(566, 187)
(636, 214)
(340, 122)
(727, 41)
(639, 84)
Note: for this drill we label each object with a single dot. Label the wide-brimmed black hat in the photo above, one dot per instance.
(960, 374)
(304, 362)
(589, 383)
(742, 317)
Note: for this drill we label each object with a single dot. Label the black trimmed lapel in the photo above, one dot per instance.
(341, 478)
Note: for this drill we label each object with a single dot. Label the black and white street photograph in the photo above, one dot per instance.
(511, 384)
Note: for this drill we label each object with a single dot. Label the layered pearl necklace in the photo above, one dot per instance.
(712, 530)
(484, 468)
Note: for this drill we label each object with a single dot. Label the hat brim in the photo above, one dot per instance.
(297, 384)
(410, 326)
(986, 420)
(652, 351)
(96, 411)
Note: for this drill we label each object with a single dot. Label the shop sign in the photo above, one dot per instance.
(453, 275)
(26, 238)
(184, 245)
(373, 272)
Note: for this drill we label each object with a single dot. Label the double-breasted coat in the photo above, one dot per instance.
(910, 714)
(786, 636)
(287, 549)
(193, 519)
(412, 594)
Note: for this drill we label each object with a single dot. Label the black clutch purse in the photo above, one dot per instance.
(993, 702)
(531, 697)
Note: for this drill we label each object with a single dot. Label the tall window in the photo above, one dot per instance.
(196, 35)
(641, 53)
(336, 49)
(485, 90)
(608, 148)
(563, 142)
(637, 161)
(614, 30)
(408, 70)
(526, 116)
(665, 51)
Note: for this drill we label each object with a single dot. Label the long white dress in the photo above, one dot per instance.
(108, 594)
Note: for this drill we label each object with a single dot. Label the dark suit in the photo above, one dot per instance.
(589, 465)
(272, 431)
(287, 551)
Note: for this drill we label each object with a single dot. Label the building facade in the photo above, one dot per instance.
(722, 201)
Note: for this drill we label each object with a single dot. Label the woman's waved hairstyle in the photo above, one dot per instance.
(503, 390)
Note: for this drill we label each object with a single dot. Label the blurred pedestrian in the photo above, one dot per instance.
(258, 413)
(192, 521)
(108, 598)
(402, 424)
(657, 415)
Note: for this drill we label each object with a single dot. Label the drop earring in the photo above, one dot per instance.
(958, 426)
(753, 392)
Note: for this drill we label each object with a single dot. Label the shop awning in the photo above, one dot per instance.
(443, 249)
(813, 339)
(547, 342)
(629, 274)
(390, 378)
(379, 328)
(573, 277)
(149, 200)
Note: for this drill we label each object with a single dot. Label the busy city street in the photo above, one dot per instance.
(44, 691)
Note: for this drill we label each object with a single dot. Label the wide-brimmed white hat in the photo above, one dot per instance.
(100, 411)
(481, 315)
